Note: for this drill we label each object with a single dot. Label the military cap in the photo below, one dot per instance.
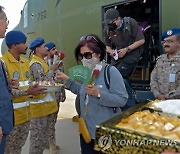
(36, 43)
(170, 32)
(15, 37)
(50, 45)
(110, 15)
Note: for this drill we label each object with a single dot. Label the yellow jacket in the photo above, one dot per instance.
(47, 104)
(20, 70)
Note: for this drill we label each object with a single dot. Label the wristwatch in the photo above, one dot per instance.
(128, 49)
(99, 95)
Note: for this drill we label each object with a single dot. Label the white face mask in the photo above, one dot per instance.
(91, 63)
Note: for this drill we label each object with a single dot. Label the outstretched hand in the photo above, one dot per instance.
(35, 90)
(162, 97)
(61, 76)
(14, 83)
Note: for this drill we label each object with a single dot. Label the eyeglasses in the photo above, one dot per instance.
(88, 38)
(7, 21)
(87, 55)
(166, 41)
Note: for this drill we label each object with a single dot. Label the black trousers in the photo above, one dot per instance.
(126, 69)
(87, 148)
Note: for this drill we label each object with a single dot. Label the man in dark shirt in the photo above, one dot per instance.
(124, 41)
(6, 106)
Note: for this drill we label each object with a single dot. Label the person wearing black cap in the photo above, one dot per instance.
(124, 41)
(6, 105)
(18, 67)
(43, 109)
(165, 78)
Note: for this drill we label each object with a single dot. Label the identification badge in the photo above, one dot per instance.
(172, 77)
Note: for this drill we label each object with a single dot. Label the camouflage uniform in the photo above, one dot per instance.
(17, 138)
(40, 126)
(160, 76)
(60, 97)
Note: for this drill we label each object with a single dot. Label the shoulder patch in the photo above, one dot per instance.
(16, 75)
(27, 74)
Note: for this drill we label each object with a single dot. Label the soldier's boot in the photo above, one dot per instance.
(54, 149)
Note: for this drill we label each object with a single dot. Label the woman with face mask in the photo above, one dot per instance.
(96, 100)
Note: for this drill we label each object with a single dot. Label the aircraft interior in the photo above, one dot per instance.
(146, 13)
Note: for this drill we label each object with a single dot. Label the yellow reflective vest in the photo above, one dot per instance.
(20, 70)
(47, 104)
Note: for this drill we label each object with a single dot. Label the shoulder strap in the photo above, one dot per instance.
(107, 80)
(107, 76)
(127, 24)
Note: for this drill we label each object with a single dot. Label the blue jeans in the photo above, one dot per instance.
(2, 144)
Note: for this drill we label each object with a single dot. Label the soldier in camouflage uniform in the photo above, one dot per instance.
(42, 111)
(60, 97)
(18, 67)
(165, 78)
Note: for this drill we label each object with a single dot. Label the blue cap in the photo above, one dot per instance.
(50, 45)
(170, 32)
(15, 37)
(36, 43)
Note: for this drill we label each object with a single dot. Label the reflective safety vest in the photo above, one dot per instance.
(46, 105)
(20, 70)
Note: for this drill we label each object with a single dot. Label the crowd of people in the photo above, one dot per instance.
(24, 107)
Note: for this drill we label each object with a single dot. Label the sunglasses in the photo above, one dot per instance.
(86, 55)
(113, 21)
(88, 38)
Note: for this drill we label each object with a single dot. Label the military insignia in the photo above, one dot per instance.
(27, 74)
(169, 32)
(16, 75)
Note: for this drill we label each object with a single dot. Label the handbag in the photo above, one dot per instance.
(83, 130)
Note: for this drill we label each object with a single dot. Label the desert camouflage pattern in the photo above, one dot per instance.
(51, 120)
(38, 135)
(38, 74)
(60, 97)
(42, 130)
(17, 138)
(160, 76)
